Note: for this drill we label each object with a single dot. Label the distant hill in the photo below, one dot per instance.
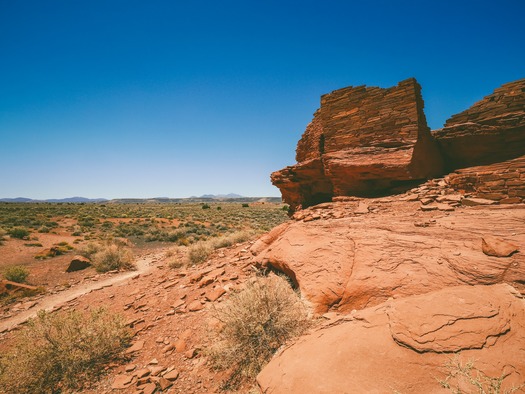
(209, 198)
(69, 199)
(221, 196)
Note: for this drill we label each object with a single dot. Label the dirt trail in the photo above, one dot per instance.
(51, 302)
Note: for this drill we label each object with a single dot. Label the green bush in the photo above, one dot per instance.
(19, 232)
(2, 234)
(205, 206)
(255, 323)
(62, 352)
(16, 274)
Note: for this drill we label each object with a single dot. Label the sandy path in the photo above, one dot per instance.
(48, 303)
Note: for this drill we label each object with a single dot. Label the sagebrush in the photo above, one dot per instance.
(109, 256)
(62, 351)
(16, 273)
(201, 251)
(256, 322)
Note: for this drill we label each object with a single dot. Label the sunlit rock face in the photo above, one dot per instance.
(363, 141)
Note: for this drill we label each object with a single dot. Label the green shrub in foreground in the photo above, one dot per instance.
(63, 351)
(256, 322)
(18, 232)
(16, 274)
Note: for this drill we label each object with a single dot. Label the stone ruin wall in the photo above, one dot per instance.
(368, 139)
(503, 182)
(360, 117)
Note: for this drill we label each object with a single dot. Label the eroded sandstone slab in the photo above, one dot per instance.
(362, 352)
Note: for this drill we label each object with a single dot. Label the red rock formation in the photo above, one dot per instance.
(503, 182)
(347, 259)
(492, 130)
(402, 346)
(362, 141)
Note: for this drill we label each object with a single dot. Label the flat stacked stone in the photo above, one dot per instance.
(492, 130)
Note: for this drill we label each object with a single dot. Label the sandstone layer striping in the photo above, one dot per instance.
(362, 141)
(491, 131)
(365, 141)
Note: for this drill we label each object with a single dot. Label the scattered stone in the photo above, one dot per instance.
(122, 382)
(135, 347)
(195, 306)
(471, 201)
(142, 373)
(130, 367)
(164, 383)
(362, 209)
(215, 294)
(493, 246)
(172, 375)
(149, 388)
(78, 263)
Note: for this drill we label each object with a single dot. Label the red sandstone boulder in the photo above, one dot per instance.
(360, 260)
(403, 345)
(362, 141)
(492, 130)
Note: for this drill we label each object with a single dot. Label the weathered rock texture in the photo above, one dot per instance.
(362, 141)
(367, 140)
(503, 182)
(492, 130)
(402, 345)
(348, 260)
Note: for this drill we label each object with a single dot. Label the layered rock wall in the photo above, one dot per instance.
(362, 141)
(503, 182)
(366, 141)
(492, 130)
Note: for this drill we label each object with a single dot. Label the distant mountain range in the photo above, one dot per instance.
(219, 196)
(70, 199)
(232, 197)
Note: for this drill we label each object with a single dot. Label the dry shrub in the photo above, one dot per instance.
(464, 377)
(256, 322)
(63, 351)
(201, 251)
(109, 256)
(16, 273)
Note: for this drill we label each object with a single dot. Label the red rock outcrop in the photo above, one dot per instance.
(503, 182)
(362, 141)
(402, 346)
(492, 130)
(342, 256)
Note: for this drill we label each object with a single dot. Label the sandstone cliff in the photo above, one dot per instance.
(366, 141)
(362, 141)
(413, 288)
(492, 130)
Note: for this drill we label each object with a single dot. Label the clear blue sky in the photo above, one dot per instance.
(124, 98)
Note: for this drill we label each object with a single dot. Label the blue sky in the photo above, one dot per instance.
(124, 98)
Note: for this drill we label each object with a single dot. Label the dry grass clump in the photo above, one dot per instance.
(465, 378)
(16, 273)
(201, 251)
(62, 352)
(256, 322)
(109, 256)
